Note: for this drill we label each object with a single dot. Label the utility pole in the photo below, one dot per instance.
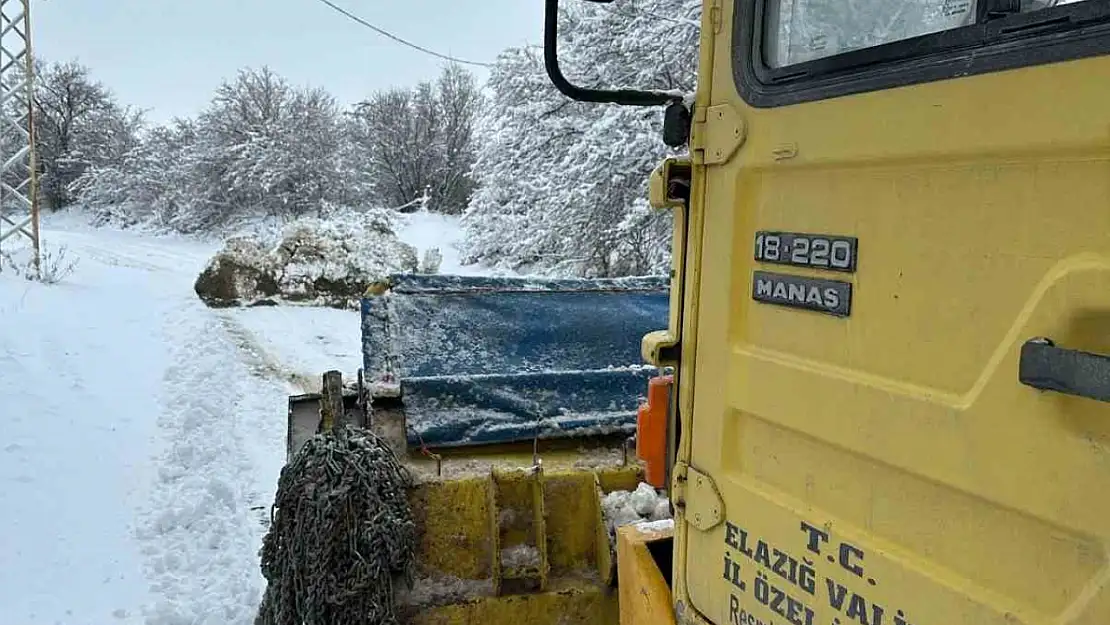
(18, 168)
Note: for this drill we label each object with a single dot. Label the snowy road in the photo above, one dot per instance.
(140, 445)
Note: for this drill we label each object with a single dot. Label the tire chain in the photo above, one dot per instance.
(341, 534)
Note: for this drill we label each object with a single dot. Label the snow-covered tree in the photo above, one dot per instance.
(153, 183)
(419, 140)
(562, 184)
(269, 149)
(78, 124)
(262, 148)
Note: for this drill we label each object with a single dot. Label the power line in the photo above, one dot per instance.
(380, 31)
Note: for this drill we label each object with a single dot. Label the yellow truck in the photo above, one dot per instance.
(885, 367)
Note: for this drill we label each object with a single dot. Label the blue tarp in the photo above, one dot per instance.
(482, 360)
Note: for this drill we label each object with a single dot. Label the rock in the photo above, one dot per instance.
(662, 510)
(321, 261)
(228, 281)
(617, 509)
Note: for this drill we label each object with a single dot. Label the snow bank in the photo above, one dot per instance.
(320, 261)
(219, 459)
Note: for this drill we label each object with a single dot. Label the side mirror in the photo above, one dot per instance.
(627, 97)
(676, 124)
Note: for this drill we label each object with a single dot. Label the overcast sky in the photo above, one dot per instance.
(169, 55)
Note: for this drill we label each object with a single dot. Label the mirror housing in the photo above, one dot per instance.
(676, 124)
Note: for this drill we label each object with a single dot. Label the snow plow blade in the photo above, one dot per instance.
(476, 360)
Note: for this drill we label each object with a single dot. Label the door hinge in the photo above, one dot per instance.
(697, 496)
(678, 485)
(718, 132)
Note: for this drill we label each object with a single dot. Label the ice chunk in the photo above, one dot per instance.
(644, 499)
(662, 510)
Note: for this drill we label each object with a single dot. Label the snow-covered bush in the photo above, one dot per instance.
(155, 184)
(312, 260)
(266, 149)
(55, 264)
(79, 124)
(433, 258)
(415, 145)
(263, 148)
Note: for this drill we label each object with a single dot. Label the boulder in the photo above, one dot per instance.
(329, 262)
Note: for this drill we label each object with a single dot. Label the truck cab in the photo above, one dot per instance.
(890, 313)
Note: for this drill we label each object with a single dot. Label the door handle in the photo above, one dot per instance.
(1047, 367)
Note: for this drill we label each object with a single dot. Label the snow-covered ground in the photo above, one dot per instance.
(423, 230)
(298, 342)
(143, 433)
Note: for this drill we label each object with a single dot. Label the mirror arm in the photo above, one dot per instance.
(626, 97)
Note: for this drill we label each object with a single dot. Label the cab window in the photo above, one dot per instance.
(804, 30)
(797, 50)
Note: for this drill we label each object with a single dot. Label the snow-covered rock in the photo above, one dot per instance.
(324, 261)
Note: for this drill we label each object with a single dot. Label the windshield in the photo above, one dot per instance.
(804, 30)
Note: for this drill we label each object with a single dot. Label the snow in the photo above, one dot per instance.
(662, 525)
(137, 441)
(353, 249)
(645, 504)
(301, 341)
(424, 231)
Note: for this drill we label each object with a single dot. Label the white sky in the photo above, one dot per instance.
(169, 56)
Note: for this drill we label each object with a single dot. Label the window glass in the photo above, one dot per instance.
(797, 31)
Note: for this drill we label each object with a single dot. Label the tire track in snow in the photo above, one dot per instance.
(261, 361)
(223, 435)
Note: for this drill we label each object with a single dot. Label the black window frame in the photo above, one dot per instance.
(1061, 33)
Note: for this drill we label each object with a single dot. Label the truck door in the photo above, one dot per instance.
(898, 316)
